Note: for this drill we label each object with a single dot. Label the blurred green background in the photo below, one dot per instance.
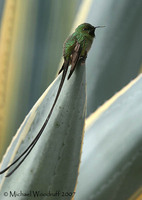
(32, 33)
(32, 36)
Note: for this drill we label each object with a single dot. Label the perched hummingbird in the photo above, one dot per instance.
(77, 45)
(75, 49)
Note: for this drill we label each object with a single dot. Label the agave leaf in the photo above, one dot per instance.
(112, 151)
(53, 163)
(32, 35)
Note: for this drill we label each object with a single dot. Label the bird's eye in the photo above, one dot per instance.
(85, 29)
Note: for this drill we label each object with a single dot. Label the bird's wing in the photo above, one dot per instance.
(75, 58)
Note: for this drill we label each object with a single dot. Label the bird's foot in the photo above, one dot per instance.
(82, 59)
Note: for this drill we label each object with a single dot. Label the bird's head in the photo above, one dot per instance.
(87, 29)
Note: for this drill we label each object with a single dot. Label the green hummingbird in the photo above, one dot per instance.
(75, 49)
(77, 45)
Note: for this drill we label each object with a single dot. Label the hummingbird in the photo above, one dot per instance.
(75, 50)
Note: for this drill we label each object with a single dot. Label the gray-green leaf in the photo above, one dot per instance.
(53, 163)
(111, 166)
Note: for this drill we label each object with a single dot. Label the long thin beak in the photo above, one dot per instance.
(100, 27)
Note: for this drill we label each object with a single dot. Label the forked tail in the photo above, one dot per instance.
(30, 147)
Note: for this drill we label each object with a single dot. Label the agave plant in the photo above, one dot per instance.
(111, 161)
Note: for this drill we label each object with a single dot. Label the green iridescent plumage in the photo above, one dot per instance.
(77, 45)
(84, 35)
